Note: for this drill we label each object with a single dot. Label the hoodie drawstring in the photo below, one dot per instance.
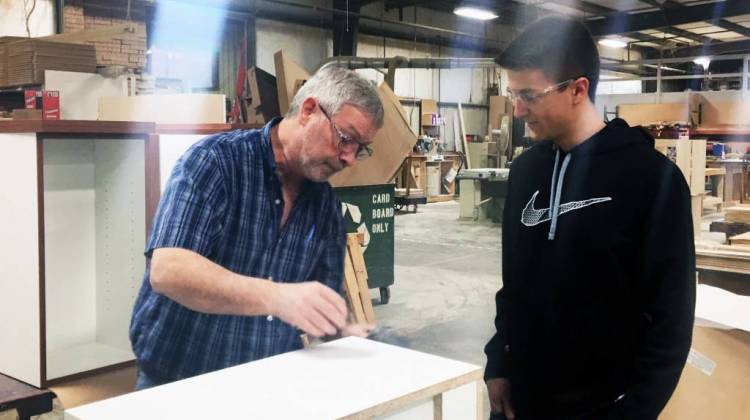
(556, 192)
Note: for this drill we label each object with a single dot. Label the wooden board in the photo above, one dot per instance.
(288, 76)
(742, 239)
(723, 260)
(690, 157)
(193, 108)
(351, 289)
(645, 114)
(354, 251)
(391, 145)
(464, 145)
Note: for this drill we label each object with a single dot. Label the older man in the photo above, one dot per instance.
(248, 242)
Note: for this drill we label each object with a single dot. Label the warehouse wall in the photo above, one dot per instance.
(308, 46)
(92, 14)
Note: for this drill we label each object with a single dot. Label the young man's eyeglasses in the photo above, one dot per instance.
(529, 98)
(346, 143)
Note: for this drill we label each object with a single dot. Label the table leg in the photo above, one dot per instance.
(437, 407)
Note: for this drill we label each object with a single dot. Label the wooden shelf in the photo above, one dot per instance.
(77, 127)
(723, 133)
(84, 358)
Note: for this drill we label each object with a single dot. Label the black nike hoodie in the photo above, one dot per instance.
(598, 294)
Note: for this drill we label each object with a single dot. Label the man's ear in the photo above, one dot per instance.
(307, 110)
(580, 90)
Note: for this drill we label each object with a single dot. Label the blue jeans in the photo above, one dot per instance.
(143, 381)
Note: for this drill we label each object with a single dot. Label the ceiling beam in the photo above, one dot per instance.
(720, 22)
(669, 16)
(735, 47)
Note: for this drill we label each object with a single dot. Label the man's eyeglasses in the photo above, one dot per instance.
(530, 98)
(348, 144)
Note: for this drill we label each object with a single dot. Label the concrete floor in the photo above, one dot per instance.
(446, 275)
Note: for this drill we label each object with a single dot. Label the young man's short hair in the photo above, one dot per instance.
(560, 47)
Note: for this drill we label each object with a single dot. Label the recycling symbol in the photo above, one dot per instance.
(352, 214)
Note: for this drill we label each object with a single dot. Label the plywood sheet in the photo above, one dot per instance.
(391, 145)
(726, 113)
(193, 108)
(645, 114)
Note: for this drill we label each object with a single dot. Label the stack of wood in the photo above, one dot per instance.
(738, 214)
(734, 257)
(24, 60)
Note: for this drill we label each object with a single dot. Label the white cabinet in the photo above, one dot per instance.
(73, 220)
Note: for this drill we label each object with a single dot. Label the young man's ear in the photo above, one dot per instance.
(307, 109)
(580, 90)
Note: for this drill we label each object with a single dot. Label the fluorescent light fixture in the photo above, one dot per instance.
(613, 43)
(703, 62)
(475, 13)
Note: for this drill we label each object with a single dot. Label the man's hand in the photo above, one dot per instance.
(499, 393)
(357, 330)
(310, 306)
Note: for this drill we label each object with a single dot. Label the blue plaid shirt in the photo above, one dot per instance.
(224, 202)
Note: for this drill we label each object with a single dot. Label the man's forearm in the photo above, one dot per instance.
(204, 286)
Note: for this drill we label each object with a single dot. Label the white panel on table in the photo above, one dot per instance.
(19, 259)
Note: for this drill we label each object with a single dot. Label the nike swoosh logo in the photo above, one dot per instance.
(532, 217)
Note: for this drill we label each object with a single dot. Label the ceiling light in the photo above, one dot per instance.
(613, 43)
(703, 62)
(475, 13)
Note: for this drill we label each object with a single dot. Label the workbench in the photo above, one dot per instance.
(350, 378)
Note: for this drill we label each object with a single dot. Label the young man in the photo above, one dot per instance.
(247, 247)
(595, 316)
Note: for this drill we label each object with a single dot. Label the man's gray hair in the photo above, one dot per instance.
(335, 86)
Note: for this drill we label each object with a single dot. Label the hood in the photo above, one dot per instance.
(616, 135)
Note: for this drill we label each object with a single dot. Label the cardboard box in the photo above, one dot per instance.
(429, 106)
(430, 120)
(50, 105)
(500, 106)
(27, 114)
(48, 101)
(715, 383)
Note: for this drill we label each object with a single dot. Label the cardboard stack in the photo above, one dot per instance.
(25, 60)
